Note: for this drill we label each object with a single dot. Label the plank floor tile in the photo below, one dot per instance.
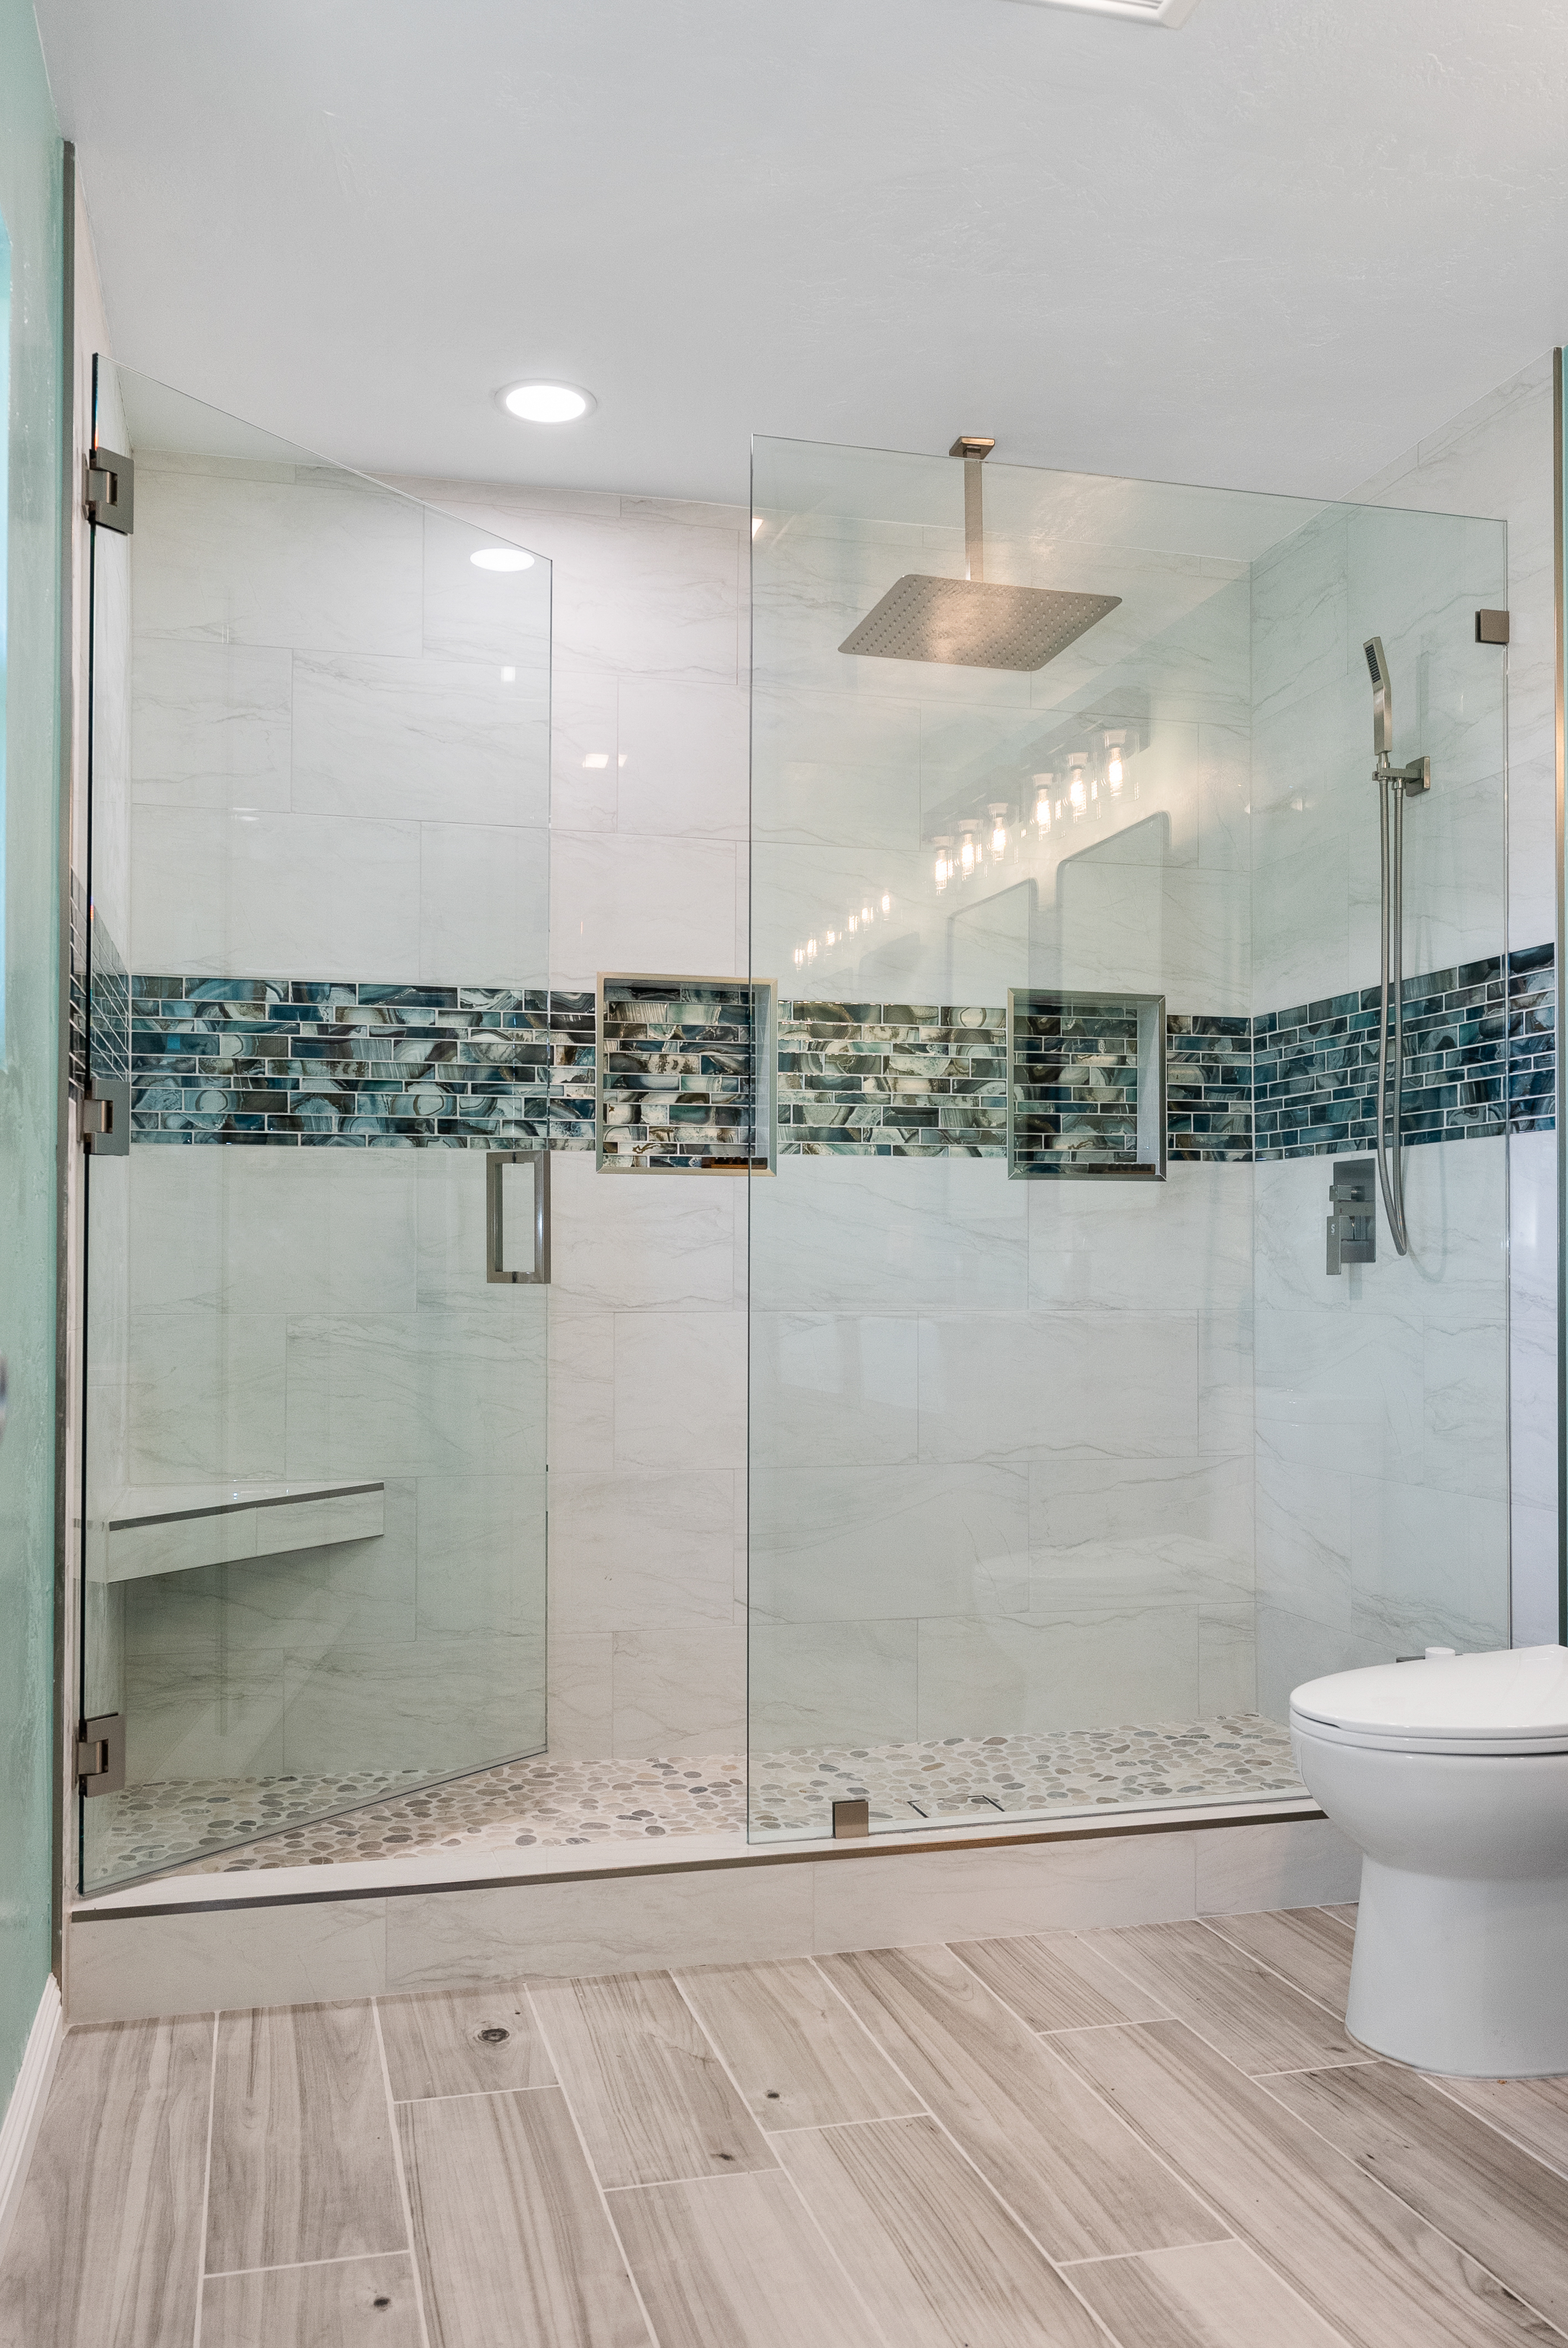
(648, 2091)
(1362, 2257)
(1497, 2202)
(1082, 2182)
(1058, 1981)
(1309, 1946)
(347, 2303)
(106, 2244)
(934, 2252)
(1255, 2019)
(1215, 2295)
(798, 2058)
(302, 2160)
(1534, 2112)
(462, 2043)
(509, 2227)
(1347, 1912)
(737, 2262)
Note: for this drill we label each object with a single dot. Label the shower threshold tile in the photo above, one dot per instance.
(243, 1825)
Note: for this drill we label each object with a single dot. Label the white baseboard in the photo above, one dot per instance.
(24, 2112)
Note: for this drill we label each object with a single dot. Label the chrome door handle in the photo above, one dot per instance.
(495, 1267)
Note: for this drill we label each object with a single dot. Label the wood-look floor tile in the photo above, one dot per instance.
(931, 2248)
(511, 2230)
(650, 2094)
(461, 2043)
(1213, 2295)
(1058, 1981)
(1370, 2266)
(1309, 1946)
(1503, 2207)
(347, 2303)
(1534, 2112)
(1347, 1911)
(798, 2058)
(1255, 2019)
(1081, 2181)
(737, 2262)
(106, 2244)
(303, 2159)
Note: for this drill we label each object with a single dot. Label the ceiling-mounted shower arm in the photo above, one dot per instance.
(974, 449)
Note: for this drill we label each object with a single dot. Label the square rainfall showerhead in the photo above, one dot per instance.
(975, 623)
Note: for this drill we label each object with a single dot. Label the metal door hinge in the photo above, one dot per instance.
(851, 1818)
(1492, 627)
(111, 490)
(1352, 1213)
(106, 1117)
(100, 1755)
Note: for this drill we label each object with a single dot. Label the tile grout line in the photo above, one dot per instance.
(205, 2183)
(475, 2094)
(295, 2266)
(588, 2161)
(401, 2174)
(857, 2296)
(969, 2158)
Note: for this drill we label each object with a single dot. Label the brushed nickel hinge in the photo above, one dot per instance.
(111, 490)
(1492, 627)
(106, 1117)
(100, 1755)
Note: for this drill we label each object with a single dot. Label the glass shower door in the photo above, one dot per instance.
(315, 981)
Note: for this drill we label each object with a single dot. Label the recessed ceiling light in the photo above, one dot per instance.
(501, 557)
(547, 402)
(1170, 13)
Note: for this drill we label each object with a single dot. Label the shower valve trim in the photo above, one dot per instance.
(1395, 786)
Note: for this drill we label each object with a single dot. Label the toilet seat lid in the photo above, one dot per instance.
(1467, 1703)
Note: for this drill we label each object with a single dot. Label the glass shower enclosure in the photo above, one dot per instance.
(311, 1025)
(1070, 1454)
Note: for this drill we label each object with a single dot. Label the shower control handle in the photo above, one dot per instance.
(1352, 1213)
(495, 1265)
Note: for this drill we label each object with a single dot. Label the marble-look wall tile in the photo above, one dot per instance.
(680, 1690)
(640, 902)
(1022, 1386)
(888, 1234)
(1100, 1667)
(677, 1570)
(484, 903)
(211, 723)
(126, 1969)
(1074, 1885)
(1298, 1863)
(838, 1388)
(680, 1390)
(438, 740)
(842, 1543)
(837, 1683)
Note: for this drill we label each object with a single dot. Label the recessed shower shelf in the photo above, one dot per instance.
(1085, 1084)
(685, 1075)
(176, 1528)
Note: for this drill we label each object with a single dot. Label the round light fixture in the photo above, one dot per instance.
(501, 557)
(547, 402)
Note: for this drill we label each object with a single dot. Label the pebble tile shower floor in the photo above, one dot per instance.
(1065, 1773)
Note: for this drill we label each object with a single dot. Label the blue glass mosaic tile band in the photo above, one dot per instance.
(347, 1065)
(303, 1063)
(1480, 1059)
(678, 1073)
(1075, 1084)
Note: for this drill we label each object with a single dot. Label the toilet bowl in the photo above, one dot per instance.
(1451, 1774)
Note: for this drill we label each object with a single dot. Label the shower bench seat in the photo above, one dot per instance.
(175, 1528)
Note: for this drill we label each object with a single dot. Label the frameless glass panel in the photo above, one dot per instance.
(1068, 1456)
(315, 1514)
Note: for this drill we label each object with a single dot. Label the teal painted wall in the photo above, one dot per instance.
(30, 202)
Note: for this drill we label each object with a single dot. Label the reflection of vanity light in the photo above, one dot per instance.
(866, 915)
(997, 810)
(756, 524)
(799, 956)
(833, 937)
(944, 868)
(967, 854)
(597, 758)
(854, 924)
(501, 557)
(508, 676)
(811, 949)
(1042, 812)
(887, 901)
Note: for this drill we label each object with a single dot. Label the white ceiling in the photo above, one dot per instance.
(1269, 250)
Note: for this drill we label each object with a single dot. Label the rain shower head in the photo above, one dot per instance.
(971, 623)
(1382, 697)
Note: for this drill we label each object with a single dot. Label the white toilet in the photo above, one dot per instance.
(1452, 1776)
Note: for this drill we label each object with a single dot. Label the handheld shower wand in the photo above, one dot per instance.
(1395, 785)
